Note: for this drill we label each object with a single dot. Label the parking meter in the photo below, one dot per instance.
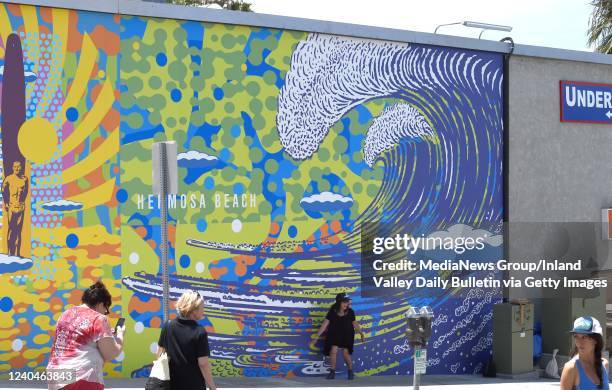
(414, 330)
(426, 314)
(418, 331)
(418, 328)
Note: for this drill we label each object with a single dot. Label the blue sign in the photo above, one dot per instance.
(585, 102)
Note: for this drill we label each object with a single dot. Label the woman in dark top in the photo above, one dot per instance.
(186, 344)
(340, 324)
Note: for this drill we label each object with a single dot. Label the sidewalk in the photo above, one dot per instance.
(446, 382)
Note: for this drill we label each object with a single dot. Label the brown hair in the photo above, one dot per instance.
(97, 293)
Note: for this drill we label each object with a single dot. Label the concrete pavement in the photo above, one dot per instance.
(446, 382)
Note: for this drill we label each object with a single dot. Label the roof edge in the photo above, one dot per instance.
(162, 10)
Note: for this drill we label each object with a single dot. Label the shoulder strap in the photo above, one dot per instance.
(580, 375)
(167, 328)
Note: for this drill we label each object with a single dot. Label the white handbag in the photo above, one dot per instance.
(161, 369)
(159, 378)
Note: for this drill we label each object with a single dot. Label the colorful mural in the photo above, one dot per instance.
(60, 140)
(289, 142)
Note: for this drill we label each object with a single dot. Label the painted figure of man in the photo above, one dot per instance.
(15, 191)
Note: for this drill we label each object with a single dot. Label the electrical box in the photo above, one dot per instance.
(513, 338)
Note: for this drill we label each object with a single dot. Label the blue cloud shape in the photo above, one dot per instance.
(62, 205)
(326, 202)
(10, 264)
(194, 159)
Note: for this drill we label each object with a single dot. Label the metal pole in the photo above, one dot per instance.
(164, 230)
(416, 380)
(506, 162)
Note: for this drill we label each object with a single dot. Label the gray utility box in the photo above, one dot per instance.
(560, 309)
(513, 338)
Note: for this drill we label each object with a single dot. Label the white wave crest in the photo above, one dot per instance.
(330, 75)
(396, 122)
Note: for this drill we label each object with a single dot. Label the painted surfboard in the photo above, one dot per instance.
(16, 222)
(13, 103)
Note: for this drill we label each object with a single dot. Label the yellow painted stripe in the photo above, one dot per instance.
(60, 28)
(30, 21)
(92, 120)
(87, 59)
(94, 160)
(96, 196)
(5, 24)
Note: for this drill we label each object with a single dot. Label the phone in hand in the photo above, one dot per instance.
(119, 324)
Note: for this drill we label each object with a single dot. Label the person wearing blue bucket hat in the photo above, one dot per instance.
(587, 370)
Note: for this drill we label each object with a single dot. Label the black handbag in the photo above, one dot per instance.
(159, 378)
(157, 384)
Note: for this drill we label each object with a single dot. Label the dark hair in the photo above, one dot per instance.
(96, 293)
(339, 299)
(599, 345)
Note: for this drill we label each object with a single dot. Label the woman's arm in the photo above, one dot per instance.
(111, 347)
(204, 365)
(323, 327)
(161, 343)
(203, 352)
(568, 376)
(357, 328)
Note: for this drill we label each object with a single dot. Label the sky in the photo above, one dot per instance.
(551, 23)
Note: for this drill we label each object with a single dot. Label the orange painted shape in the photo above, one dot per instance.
(336, 226)
(216, 273)
(610, 224)
(155, 322)
(274, 228)
(106, 41)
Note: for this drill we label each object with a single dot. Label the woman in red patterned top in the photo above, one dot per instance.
(83, 342)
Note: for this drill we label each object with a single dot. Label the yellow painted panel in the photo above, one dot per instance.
(96, 196)
(5, 24)
(92, 120)
(94, 160)
(87, 59)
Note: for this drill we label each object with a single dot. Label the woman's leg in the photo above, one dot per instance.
(349, 364)
(333, 353)
(347, 358)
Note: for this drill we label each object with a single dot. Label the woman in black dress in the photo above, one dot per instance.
(340, 324)
(186, 344)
